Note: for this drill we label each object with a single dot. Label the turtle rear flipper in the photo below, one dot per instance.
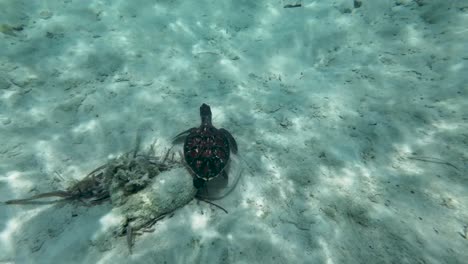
(198, 183)
(230, 138)
(222, 186)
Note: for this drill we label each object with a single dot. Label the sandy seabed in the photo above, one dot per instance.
(351, 123)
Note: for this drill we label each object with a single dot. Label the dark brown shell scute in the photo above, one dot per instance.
(207, 152)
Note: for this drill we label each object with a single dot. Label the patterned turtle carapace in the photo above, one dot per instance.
(207, 149)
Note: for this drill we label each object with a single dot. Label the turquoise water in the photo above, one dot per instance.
(350, 118)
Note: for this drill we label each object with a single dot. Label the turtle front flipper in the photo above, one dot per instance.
(230, 138)
(181, 137)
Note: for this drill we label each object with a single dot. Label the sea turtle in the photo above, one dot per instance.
(207, 149)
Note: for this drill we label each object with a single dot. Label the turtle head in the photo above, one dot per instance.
(205, 114)
(198, 183)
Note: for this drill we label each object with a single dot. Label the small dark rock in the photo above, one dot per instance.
(292, 5)
(357, 3)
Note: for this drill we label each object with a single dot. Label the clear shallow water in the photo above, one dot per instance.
(350, 124)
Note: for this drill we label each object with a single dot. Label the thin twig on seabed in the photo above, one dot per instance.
(433, 160)
(63, 195)
(208, 202)
(129, 238)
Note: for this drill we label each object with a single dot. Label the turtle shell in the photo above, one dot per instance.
(206, 151)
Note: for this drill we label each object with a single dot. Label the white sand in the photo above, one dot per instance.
(352, 124)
